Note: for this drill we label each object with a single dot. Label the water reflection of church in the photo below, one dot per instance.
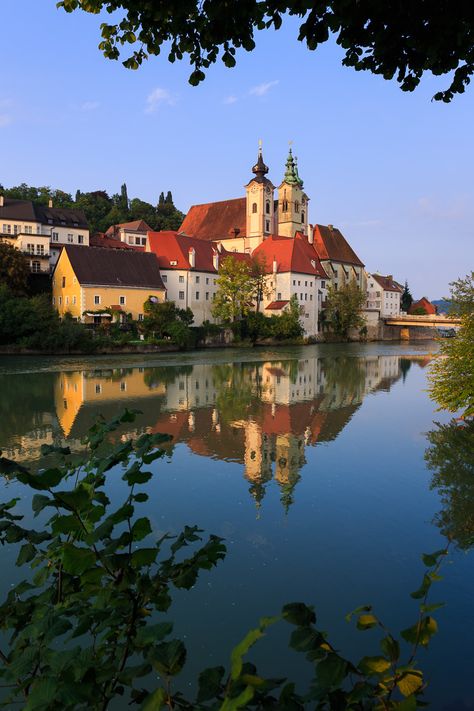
(260, 414)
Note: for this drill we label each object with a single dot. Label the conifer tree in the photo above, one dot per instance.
(406, 299)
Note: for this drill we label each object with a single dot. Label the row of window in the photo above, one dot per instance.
(139, 241)
(197, 296)
(70, 238)
(295, 282)
(27, 229)
(39, 249)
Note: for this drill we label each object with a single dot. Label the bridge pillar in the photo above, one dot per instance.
(405, 334)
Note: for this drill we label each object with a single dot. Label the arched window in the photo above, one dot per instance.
(267, 208)
(297, 206)
(302, 217)
(254, 207)
(285, 206)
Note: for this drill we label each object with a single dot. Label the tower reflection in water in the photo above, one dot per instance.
(262, 415)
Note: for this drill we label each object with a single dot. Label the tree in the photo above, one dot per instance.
(406, 298)
(14, 269)
(236, 291)
(258, 274)
(452, 374)
(124, 204)
(165, 319)
(398, 40)
(288, 324)
(344, 307)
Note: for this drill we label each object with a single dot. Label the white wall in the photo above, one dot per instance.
(184, 286)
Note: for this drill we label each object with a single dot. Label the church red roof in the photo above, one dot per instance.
(216, 220)
(292, 255)
(172, 251)
(331, 244)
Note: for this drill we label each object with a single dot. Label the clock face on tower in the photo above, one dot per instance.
(267, 189)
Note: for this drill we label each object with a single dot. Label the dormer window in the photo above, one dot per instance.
(254, 207)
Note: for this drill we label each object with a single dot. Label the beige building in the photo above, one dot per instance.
(131, 233)
(96, 285)
(383, 294)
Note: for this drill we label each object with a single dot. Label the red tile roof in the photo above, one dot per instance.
(277, 305)
(387, 283)
(423, 303)
(135, 226)
(292, 255)
(172, 251)
(216, 220)
(330, 243)
(100, 240)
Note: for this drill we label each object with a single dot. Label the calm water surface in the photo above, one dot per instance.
(309, 461)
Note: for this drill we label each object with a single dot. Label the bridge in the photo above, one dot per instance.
(425, 321)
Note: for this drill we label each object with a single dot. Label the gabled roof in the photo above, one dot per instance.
(28, 211)
(172, 251)
(291, 254)
(135, 226)
(423, 303)
(331, 244)
(387, 283)
(216, 220)
(277, 305)
(113, 267)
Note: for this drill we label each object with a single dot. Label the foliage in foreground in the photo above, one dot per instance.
(87, 626)
(388, 39)
(452, 374)
(14, 269)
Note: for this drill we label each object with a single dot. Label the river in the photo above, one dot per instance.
(309, 461)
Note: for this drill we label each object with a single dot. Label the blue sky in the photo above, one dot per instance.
(392, 170)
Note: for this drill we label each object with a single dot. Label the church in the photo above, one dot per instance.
(300, 258)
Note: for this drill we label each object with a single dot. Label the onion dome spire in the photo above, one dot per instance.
(260, 169)
(291, 173)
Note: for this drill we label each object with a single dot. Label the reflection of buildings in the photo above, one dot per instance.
(262, 415)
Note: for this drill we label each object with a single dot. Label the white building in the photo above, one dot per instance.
(39, 230)
(383, 295)
(132, 233)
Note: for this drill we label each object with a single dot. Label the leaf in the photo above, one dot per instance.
(143, 557)
(408, 704)
(141, 529)
(366, 622)
(390, 647)
(238, 701)
(410, 683)
(27, 553)
(330, 672)
(422, 632)
(77, 560)
(39, 502)
(153, 633)
(154, 701)
(41, 695)
(248, 641)
(297, 613)
(431, 559)
(169, 657)
(210, 682)
(373, 665)
(304, 639)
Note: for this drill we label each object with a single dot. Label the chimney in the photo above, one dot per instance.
(192, 257)
(310, 234)
(215, 259)
(331, 227)
(275, 265)
(1, 200)
(50, 202)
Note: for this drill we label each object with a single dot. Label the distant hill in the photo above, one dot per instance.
(442, 305)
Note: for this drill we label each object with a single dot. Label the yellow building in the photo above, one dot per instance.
(93, 283)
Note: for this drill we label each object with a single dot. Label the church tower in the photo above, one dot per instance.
(292, 201)
(260, 220)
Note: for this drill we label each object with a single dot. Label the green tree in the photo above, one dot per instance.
(124, 203)
(236, 291)
(388, 39)
(344, 308)
(288, 324)
(452, 374)
(258, 274)
(406, 298)
(165, 319)
(14, 269)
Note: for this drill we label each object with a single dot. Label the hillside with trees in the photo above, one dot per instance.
(103, 210)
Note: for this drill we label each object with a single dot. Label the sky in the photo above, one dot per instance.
(392, 170)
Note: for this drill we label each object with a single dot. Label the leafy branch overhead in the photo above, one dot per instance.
(397, 40)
